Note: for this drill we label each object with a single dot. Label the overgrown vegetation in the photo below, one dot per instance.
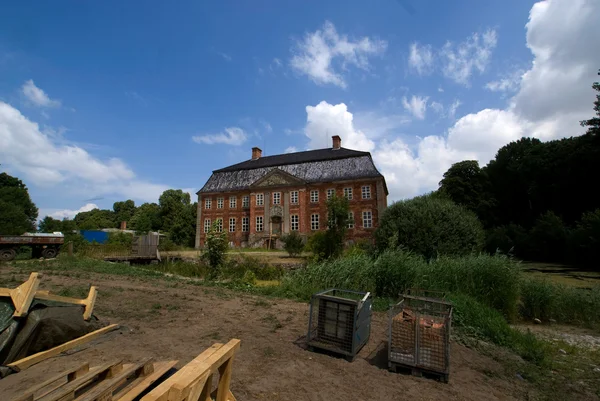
(330, 243)
(293, 243)
(216, 247)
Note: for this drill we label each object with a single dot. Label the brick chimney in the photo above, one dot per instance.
(256, 153)
(337, 142)
(123, 225)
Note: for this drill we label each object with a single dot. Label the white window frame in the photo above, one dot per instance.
(207, 203)
(246, 201)
(233, 202)
(348, 193)
(350, 220)
(219, 222)
(277, 198)
(314, 221)
(366, 191)
(206, 225)
(220, 202)
(330, 193)
(232, 224)
(367, 218)
(314, 196)
(260, 199)
(260, 226)
(294, 197)
(245, 224)
(295, 225)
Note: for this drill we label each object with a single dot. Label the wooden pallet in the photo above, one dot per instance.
(116, 381)
(417, 371)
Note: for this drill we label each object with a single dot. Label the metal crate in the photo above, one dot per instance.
(419, 335)
(340, 321)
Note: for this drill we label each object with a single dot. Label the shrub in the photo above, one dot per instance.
(584, 240)
(429, 226)
(510, 239)
(293, 243)
(216, 248)
(120, 239)
(548, 238)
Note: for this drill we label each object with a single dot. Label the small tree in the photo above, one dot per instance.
(216, 247)
(328, 244)
(293, 243)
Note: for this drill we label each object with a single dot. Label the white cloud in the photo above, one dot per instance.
(232, 136)
(315, 54)
(37, 96)
(421, 58)
(508, 83)
(453, 107)
(225, 56)
(41, 158)
(417, 106)
(68, 213)
(290, 149)
(325, 120)
(474, 54)
(437, 107)
(266, 126)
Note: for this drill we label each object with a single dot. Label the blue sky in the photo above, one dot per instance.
(105, 101)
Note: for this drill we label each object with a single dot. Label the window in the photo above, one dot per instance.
(367, 219)
(294, 197)
(295, 222)
(219, 203)
(219, 225)
(330, 193)
(232, 202)
(245, 224)
(350, 220)
(206, 225)
(259, 223)
(348, 193)
(314, 221)
(260, 199)
(232, 224)
(245, 201)
(277, 198)
(314, 196)
(366, 192)
(207, 203)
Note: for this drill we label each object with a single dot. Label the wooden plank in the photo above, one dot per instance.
(230, 396)
(22, 296)
(46, 296)
(137, 387)
(26, 362)
(40, 390)
(224, 380)
(90, 302)
(188, 378)
(69, 390)
(205, 395)
(105, 388)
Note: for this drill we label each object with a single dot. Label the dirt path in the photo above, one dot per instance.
(174, 320)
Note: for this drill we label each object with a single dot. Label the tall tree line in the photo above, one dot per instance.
(537, 199)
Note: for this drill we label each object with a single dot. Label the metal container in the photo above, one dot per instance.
(419, 335)
(340, 321)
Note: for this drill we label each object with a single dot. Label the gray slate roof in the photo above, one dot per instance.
(322, 165)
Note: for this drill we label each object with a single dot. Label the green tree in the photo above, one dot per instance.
(95, 219)
(18, 212)
(215, 249)
(329, 244)
(429, 226)
(466, 184)
(293, 243)
(172, 204)
(183, 230)
(124, 211)
(146, 218)
(50, 225)
(584, 240)
(593, 123)
(548, 238)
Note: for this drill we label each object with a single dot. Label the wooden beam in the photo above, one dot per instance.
(58, 380)
(22, 296)
(137, 387)
(26, 362)
(103, 391)
(90, 301)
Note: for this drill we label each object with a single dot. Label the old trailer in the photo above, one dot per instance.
(41, 244)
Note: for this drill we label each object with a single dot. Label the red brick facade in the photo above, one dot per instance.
(280, 218)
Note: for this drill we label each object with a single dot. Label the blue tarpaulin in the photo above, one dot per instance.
(93, 235)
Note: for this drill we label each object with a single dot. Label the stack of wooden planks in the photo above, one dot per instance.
(116, 381)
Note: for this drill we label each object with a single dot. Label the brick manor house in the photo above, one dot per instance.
(263, 198)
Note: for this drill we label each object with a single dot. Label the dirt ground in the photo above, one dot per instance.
(168, 319)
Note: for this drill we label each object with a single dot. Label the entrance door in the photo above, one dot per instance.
(276, 225)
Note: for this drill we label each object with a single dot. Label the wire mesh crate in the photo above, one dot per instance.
(340, 321)
(419, 335)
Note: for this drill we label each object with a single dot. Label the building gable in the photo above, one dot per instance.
(277, 178)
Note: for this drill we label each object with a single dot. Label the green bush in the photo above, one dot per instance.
(584, 240)
(293, 243)
(510, 239)
(216, 248)
(120, 239)
(548, 238)
(430, 226)
(237, 267)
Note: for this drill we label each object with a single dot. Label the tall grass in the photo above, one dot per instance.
(545, 300)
